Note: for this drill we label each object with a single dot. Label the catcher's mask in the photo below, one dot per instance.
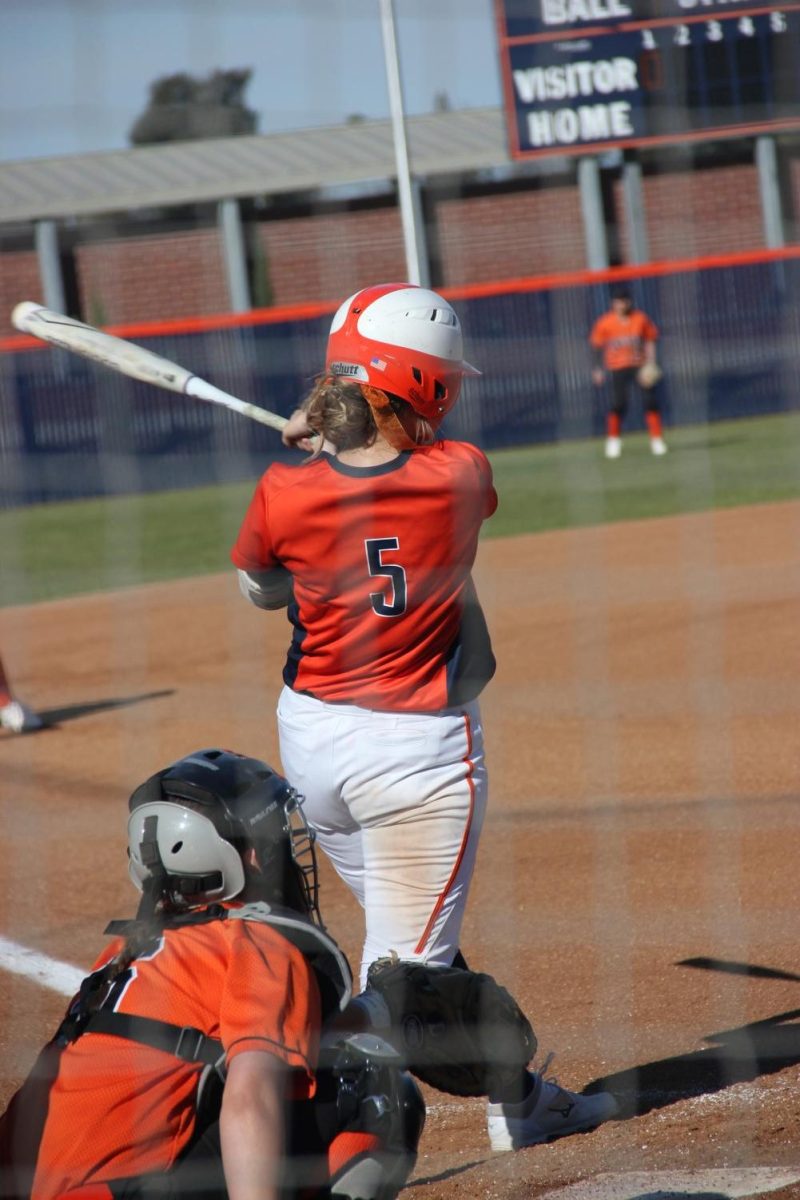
(191, 823)
(400, 342)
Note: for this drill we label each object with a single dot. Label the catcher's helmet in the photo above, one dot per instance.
(404, 340)
(190, 823)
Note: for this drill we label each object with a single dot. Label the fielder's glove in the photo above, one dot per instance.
(648, 375)
(456, 1030)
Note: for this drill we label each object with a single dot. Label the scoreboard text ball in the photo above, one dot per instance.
(585, 76)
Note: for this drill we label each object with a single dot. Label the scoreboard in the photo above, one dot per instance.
(583, 76)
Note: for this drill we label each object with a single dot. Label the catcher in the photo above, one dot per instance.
(189, 1064)
(214, 1050)
(624, 344)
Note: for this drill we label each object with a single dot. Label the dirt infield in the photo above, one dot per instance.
(637, 886)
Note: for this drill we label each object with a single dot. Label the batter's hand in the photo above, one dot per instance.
(598, 376)
(298, 432)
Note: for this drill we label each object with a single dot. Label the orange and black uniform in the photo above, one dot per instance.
(364, 544)
(120, 1109)
(620, 340)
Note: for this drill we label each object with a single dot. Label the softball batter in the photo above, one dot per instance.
(371, 544)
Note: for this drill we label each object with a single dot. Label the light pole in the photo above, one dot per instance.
(413, 239)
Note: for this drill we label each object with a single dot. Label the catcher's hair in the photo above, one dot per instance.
(336, 408)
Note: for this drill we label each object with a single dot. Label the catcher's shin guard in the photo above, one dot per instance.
(381, 1115)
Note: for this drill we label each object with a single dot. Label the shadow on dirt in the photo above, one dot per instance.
(735, 1056)
(451, 1173)
(727, 967)
(51, 717)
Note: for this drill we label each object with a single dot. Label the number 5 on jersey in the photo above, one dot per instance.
(375, 549)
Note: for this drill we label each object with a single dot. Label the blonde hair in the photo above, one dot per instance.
(336, 409)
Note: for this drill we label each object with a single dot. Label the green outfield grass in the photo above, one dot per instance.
(65, 549)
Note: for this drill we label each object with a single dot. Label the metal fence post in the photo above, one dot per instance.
(594, 226)
(634, 212)
(48, 255)
(769, 189)
(230, 225)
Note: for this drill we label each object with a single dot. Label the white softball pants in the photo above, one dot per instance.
(397, 801)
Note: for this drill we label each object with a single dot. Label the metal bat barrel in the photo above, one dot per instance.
(128, 358)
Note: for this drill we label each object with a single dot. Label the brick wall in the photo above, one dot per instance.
(793, 197)
(512, 234)
(692, 213)
(480, 238)
(19, 280)
(331, 255)
(178, 274)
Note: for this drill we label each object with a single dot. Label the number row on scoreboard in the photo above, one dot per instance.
(714, 31)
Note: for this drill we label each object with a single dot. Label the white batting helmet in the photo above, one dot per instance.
(404, 340)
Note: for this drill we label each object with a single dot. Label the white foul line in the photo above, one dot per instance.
(48, 972)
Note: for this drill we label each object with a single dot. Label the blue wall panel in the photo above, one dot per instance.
(730, 347)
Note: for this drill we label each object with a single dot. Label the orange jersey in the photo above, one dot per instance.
(622, 339)
(380, 559)
(119, 1108)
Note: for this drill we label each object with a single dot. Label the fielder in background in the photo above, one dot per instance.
(371, 544)
(624, 344)
(188, 1064)
(14, 715)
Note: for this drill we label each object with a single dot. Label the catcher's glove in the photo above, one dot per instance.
(456, 1030)
(648, 375)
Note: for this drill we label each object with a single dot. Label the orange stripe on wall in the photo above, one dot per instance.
(505, 287)
(542, 283)
(205, 324)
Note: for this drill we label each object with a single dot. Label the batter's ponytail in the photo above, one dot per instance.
(336, 408)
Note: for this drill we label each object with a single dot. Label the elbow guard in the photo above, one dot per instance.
(266, 589)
